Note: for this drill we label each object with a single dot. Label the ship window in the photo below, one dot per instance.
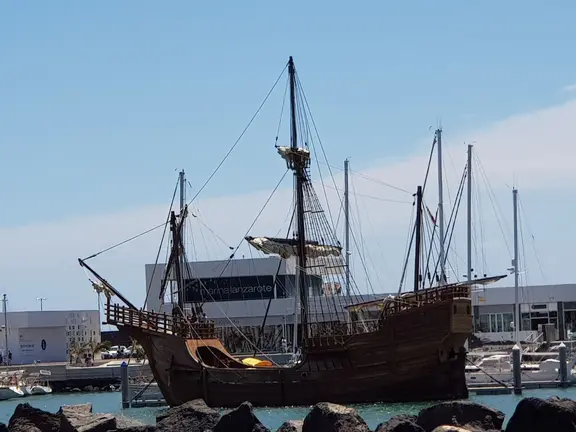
(468, 310)
(455, 309)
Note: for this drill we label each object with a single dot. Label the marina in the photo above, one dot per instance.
(353, 218)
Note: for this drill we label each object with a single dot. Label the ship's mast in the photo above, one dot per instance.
(179, 257)
(418, 242)
(299, 167)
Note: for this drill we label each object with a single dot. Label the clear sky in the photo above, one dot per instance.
(101, 102)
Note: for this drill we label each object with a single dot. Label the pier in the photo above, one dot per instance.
(63, 375)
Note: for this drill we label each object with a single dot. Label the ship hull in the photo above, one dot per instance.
(416, 355)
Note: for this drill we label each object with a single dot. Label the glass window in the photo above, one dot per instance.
(508, 319)
(484, 323)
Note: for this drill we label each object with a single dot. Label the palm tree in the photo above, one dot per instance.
(94, 347)
(76, 350)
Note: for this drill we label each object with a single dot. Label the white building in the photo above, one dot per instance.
(46, 336)
(539, 305)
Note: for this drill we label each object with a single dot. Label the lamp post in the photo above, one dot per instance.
(41, 300)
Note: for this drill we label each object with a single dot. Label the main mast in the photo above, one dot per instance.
(299, 167)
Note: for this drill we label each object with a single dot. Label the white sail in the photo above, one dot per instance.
(268, 246)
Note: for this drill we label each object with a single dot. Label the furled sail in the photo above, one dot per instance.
(290, 154)
(289, 248)
(100, 288)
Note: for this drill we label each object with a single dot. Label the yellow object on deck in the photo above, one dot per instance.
(254, 362)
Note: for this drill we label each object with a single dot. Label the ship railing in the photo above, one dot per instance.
(429, 296)
(336, 332)
(165, 323)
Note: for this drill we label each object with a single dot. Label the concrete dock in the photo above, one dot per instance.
(106, 373)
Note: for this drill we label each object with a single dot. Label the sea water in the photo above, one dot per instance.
(373, 414)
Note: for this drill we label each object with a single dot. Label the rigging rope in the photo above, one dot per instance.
(240, 137)
(253, 223)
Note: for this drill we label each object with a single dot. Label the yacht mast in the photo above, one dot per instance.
(441, 208)
(299, 167)
(181, 254)
(347, 226)
(515, 266)
(469, 219)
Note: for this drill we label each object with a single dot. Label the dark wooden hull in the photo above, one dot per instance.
(417, 355)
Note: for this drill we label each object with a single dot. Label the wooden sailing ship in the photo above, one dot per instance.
(412, 351)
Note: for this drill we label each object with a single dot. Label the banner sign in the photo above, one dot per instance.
(229, 289)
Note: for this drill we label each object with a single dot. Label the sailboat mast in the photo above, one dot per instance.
(469, 217)
(418, 238)
(299, 173)
(469, 231)
(515, 265)
(441, 207)
(347, 225)
(182, 181)
(182, 256)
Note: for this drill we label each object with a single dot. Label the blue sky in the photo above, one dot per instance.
(101, 102)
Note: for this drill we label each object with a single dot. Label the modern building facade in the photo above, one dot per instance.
(46, 336)
(540, 305)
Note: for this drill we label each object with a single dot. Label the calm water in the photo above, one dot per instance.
(271, 417)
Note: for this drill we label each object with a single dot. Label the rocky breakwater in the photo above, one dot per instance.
(531, 415)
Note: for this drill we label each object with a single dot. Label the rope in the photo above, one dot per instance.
(487, 374)
(240, 137)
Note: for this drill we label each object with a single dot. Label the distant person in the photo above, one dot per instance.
(9, 358)
(1, 359)
(284, 345)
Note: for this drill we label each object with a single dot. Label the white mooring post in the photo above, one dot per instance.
(124, 385)
(517, 370)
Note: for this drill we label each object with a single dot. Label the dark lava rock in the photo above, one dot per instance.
(29, 419)
(291, 426)
(80, 408)
(534, 414)
(241, 419)
(123, 422)
(3, 427)
(400, 423)
(79, 418)
(192, 416)
(471, 415)
(329, 417)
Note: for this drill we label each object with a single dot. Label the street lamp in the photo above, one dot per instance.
(41, 300)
